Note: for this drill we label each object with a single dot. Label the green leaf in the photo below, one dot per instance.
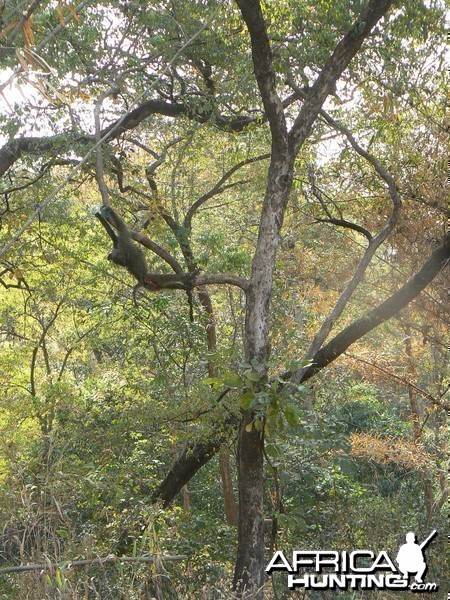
(252, 376)
(247, 400)
(291, 413)
(232, 380)
(293, 365)
(214, 381)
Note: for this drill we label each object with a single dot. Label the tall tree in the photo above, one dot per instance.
(172, 65)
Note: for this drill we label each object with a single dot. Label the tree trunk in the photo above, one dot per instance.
(186, 499)
(249, 570)
(227, 484)
(224, 462)
(248, 574)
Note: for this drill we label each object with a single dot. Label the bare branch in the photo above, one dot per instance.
(161, 157)
(113, 91)
(218, 188)
(222, 278)
(432, 399)
(87, 562)
(339, 222)
(143, 146)
(347, 225)
(374, 242)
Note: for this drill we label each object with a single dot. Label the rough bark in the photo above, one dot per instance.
(249, 571)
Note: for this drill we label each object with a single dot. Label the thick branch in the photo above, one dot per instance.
(347, 225)
(158, 250)
(265, 76)
(334, 67)
(222, 278)
(387, 309)
(176, 109)
(12, 151)
(193, 457)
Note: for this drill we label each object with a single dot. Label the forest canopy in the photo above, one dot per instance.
(224, 298)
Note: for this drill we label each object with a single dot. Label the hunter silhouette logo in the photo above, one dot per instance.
(410, 557)
(359, 569)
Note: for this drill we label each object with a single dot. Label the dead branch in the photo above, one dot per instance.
(88, 562)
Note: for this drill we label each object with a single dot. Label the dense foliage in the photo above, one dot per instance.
(155, 109)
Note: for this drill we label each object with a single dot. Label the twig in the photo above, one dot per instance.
(95, 561)
(435, 401)
(113, 91)
(219, 187)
